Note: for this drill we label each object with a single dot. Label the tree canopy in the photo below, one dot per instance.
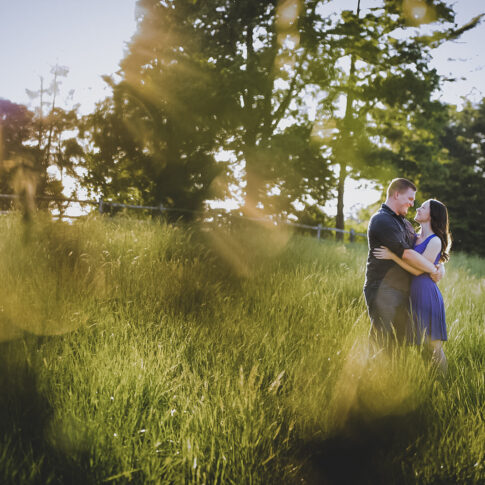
(275, 102)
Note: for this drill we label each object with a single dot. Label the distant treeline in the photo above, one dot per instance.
(275, 101)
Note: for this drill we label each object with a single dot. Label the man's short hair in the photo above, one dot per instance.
(399, 185)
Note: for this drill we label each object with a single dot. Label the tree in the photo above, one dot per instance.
(389, 78)
(459, 181)
(15, 126)
(271, 54)
(38, 143)
(15, 130)
(155, 140)
(203, 77)
(200, 78)
(53, 144)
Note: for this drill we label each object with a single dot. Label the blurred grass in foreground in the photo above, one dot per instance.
(138, 352)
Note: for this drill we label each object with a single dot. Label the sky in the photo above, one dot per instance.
(90, 37)
(87, 36)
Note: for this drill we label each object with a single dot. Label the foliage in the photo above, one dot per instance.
(202, 78)
(15, 127)
(39, 143)
(54, 144)
(222, 358)
(155, 140)
(385, 81)
(293, 99)
(15, 130)
(229, 79)
(459, 181)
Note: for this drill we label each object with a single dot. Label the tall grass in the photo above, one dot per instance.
(139, 352)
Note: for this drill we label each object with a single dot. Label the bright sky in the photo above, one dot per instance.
(89, 37)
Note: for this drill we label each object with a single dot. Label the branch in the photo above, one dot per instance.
(438, 38)
(280, 111)
(453, 34)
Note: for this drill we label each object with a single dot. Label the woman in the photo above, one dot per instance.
(428, 310)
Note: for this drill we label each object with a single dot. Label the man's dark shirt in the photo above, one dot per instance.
(388, 229)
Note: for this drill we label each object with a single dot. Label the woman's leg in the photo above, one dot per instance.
(438, 356)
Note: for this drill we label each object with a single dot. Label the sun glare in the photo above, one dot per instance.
(418, 12)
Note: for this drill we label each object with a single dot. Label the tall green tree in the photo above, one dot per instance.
(155, 139)
(271, 54)
(201, 77)
(387, 81)
(459, 181)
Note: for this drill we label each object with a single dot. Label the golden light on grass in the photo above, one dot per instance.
(231, 251)
(386, 387)
(47, 277)
(347, 385)
(376, 384)
(242, 253)
(254, 382)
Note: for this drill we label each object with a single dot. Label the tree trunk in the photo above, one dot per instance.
(250, 148)
(253, 179)
(346, 142)
(339, 220)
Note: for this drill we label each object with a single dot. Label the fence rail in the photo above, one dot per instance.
(102, 204)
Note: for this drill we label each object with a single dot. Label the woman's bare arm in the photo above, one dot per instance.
(414, 262)
(385, 253)
(424, 264)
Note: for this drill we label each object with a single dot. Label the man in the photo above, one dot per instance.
(386, 287)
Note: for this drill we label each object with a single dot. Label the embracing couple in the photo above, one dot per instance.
(403, 267)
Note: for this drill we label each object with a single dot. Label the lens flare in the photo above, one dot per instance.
(417, 12)
(347, 386)
(245, 246)
(287, 13)
(48, 278)
(289, 40)
(285, 63)
(323, 131)
(288, 37)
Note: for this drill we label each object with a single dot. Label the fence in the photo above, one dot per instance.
(102, 205)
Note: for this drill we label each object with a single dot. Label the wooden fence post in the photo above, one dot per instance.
(319, 231)
(352, 235)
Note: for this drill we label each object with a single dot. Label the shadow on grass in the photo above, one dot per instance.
(25, 412)
(367, 450)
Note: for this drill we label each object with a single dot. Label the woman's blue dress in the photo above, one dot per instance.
(427, 304)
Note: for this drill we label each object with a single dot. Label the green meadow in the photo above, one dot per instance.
(137, 352)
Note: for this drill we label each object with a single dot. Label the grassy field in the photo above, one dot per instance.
(135, 352)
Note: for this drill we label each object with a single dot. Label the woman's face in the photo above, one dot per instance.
(422, 213)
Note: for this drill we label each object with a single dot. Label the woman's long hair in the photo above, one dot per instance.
(440, 226)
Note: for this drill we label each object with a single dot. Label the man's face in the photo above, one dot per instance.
(404, 200)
